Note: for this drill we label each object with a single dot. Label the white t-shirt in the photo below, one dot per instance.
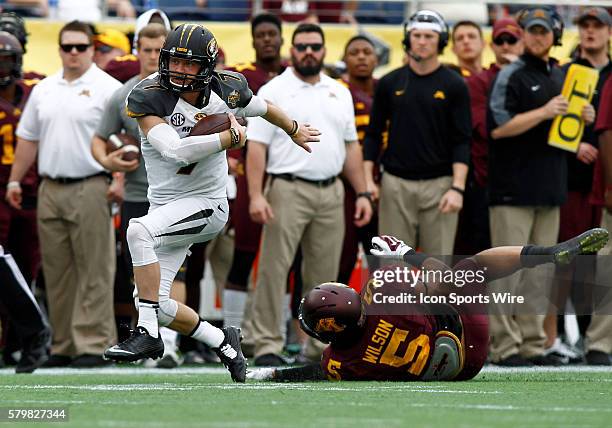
(83, 10)
(62, 116)
(327, 105)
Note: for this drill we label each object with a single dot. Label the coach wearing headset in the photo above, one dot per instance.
(527, 177)
(427, 107)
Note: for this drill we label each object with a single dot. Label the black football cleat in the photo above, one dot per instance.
(588, 242)
(230, 354)
(35, 352)
(139, 345)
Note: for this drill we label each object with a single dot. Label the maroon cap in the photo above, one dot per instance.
(507, 26)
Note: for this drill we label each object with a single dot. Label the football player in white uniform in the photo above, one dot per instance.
(187, 179)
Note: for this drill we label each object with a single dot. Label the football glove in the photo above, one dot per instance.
(389, 246)
(266, 373)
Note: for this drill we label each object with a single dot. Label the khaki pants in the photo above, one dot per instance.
(409, 211)
(303, 214)
(599, 332)
(512, 225)
(78, 258)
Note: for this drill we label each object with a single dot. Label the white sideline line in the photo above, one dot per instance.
(137, 370)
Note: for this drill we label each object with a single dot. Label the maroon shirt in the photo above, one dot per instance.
(479, 86)
(602, 123)
(123, 68)
(9, 118)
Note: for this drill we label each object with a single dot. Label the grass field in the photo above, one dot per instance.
(203, 397)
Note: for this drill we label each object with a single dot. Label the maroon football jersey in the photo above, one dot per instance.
(9, 118)
(247, 232)
(424, 342)
(362, 103)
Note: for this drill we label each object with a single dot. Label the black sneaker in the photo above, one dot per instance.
(270, 360)
(56, 360)
(230, 354)
(138, 346)
(35, 352)
(588, 242)
(597, 358)
(514, 360)
(546, 360)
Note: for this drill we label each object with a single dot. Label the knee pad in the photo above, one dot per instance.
(167, 311)
(141, 244)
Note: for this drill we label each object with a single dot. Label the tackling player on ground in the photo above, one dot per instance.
(187, 184)
(420, 342)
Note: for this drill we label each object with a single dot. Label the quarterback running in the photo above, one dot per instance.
(431, 341)
(187, 184)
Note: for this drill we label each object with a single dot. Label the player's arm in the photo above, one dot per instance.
(354, 173)
(312, 372)
(300, 133)
(194, 148)
(112, 161)
(25, 155)
(259, 208)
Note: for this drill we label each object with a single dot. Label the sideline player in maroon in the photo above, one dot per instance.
(266, 31)
(430, 341)
(18, 230)
(360, 59)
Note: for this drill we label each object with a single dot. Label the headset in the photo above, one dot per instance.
(544, 12)
(429, 16)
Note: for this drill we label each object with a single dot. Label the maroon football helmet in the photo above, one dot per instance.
(12, 54)
(331, 312)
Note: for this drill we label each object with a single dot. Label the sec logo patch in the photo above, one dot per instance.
(177, 119)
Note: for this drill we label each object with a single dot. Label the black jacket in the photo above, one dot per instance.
(524, 170)
(429, 123)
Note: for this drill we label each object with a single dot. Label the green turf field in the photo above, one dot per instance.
(193, 397)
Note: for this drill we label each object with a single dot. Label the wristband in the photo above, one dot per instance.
(367, 195)
(235, 137)
(13, 185)
(294, 129)
(458, 190)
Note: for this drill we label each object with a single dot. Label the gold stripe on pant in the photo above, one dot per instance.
(409, 211)
(78, 259)
(524, 333)
(306, 215)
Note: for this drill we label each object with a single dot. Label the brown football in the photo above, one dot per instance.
(129, 144)
(213, 124)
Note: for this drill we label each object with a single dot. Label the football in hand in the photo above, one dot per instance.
(129, 145)
(214, 123)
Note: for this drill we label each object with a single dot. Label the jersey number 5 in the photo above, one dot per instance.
(8, 150)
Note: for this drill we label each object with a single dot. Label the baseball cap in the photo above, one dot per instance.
(598, 13)
(113, 38)
(507, 26)
(537, 16)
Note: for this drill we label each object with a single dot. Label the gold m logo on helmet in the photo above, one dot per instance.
(539, 13)
(328, 324)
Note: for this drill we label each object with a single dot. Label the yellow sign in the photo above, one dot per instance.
(579, 86)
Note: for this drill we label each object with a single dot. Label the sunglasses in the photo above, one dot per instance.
(505, 39)
(301, 47)
(80, 47)
(103, 49)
